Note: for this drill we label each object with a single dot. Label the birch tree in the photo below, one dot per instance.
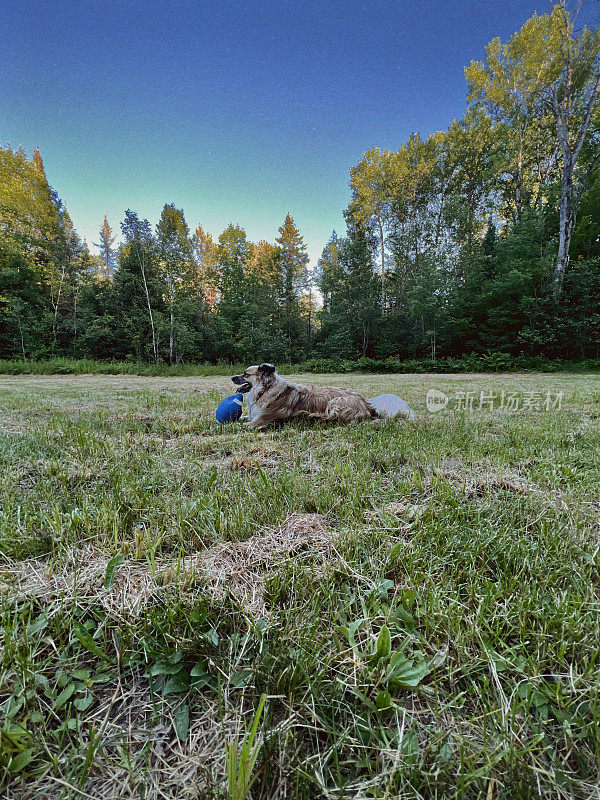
(138, 244)
(548, 67)
(371, 198)
(175, 262)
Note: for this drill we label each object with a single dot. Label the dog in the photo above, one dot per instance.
(273, 400)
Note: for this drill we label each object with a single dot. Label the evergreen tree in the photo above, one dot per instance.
(107, 250)
(329, 271)
(205, 253)
(293, 261)
(350, 318)
(233, 251)
(38, 163)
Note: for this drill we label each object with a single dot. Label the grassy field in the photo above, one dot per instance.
(418, 601)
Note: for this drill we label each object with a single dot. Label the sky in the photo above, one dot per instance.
(234, 111)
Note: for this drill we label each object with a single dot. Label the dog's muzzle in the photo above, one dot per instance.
(241, 383)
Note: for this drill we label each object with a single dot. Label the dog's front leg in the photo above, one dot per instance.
(253, 414)
(257, 425)
(255, 418)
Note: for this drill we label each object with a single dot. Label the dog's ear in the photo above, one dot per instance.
(266, 369)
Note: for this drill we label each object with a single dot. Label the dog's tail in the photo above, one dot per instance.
(388, 406)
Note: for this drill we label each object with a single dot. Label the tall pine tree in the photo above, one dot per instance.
(293, 261)
(107, 249)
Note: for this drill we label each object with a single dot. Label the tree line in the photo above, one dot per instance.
(162, 295)
(481, 238)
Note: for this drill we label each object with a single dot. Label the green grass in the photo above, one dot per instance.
(437, 637)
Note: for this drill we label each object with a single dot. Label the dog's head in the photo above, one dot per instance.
(254, 375)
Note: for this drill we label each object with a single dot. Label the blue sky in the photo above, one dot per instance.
(234, 111)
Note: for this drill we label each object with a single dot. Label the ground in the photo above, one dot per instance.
(418, 600)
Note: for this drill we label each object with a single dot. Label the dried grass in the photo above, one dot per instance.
(235, 568)
(488, 479)
(402, 509)
(472, 485)
(12, 426)
(477, 485)
(139, 753)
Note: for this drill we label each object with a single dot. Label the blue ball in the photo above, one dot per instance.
(230, 409)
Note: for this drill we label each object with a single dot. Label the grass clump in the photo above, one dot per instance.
(416, 604)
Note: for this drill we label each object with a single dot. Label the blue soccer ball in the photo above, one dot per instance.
(230, 409)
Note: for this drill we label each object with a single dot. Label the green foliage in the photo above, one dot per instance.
(488, 362)
(107, 250)
(480, 238)
(350, 320)
(241, 762)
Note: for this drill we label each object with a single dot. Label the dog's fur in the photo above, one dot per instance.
(272, 399)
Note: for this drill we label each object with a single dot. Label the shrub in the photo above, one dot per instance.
(488, 362)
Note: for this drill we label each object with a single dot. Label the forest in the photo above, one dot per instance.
(483, 238)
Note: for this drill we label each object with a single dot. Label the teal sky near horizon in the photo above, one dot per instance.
(237, 111)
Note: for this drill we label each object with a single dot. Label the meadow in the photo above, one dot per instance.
(392, 610)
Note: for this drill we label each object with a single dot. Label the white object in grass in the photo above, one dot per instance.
(388, 406)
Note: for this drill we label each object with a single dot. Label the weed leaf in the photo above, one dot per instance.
(110, 569)
(21, 760)
(64, 696)
(181, 721)
(86, 640)
(404, 673)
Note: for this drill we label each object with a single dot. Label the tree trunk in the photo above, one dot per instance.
(55, 323)
(570, 194)
(21, 334)
(438, 221)
(171, 339)
(172, 325)
(154, 345)
(75, 300)
(565, 230)
(519, 178)
(518, 200)
(470, 224)
(382, 245)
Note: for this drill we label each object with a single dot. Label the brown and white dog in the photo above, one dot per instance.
(272, 399)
